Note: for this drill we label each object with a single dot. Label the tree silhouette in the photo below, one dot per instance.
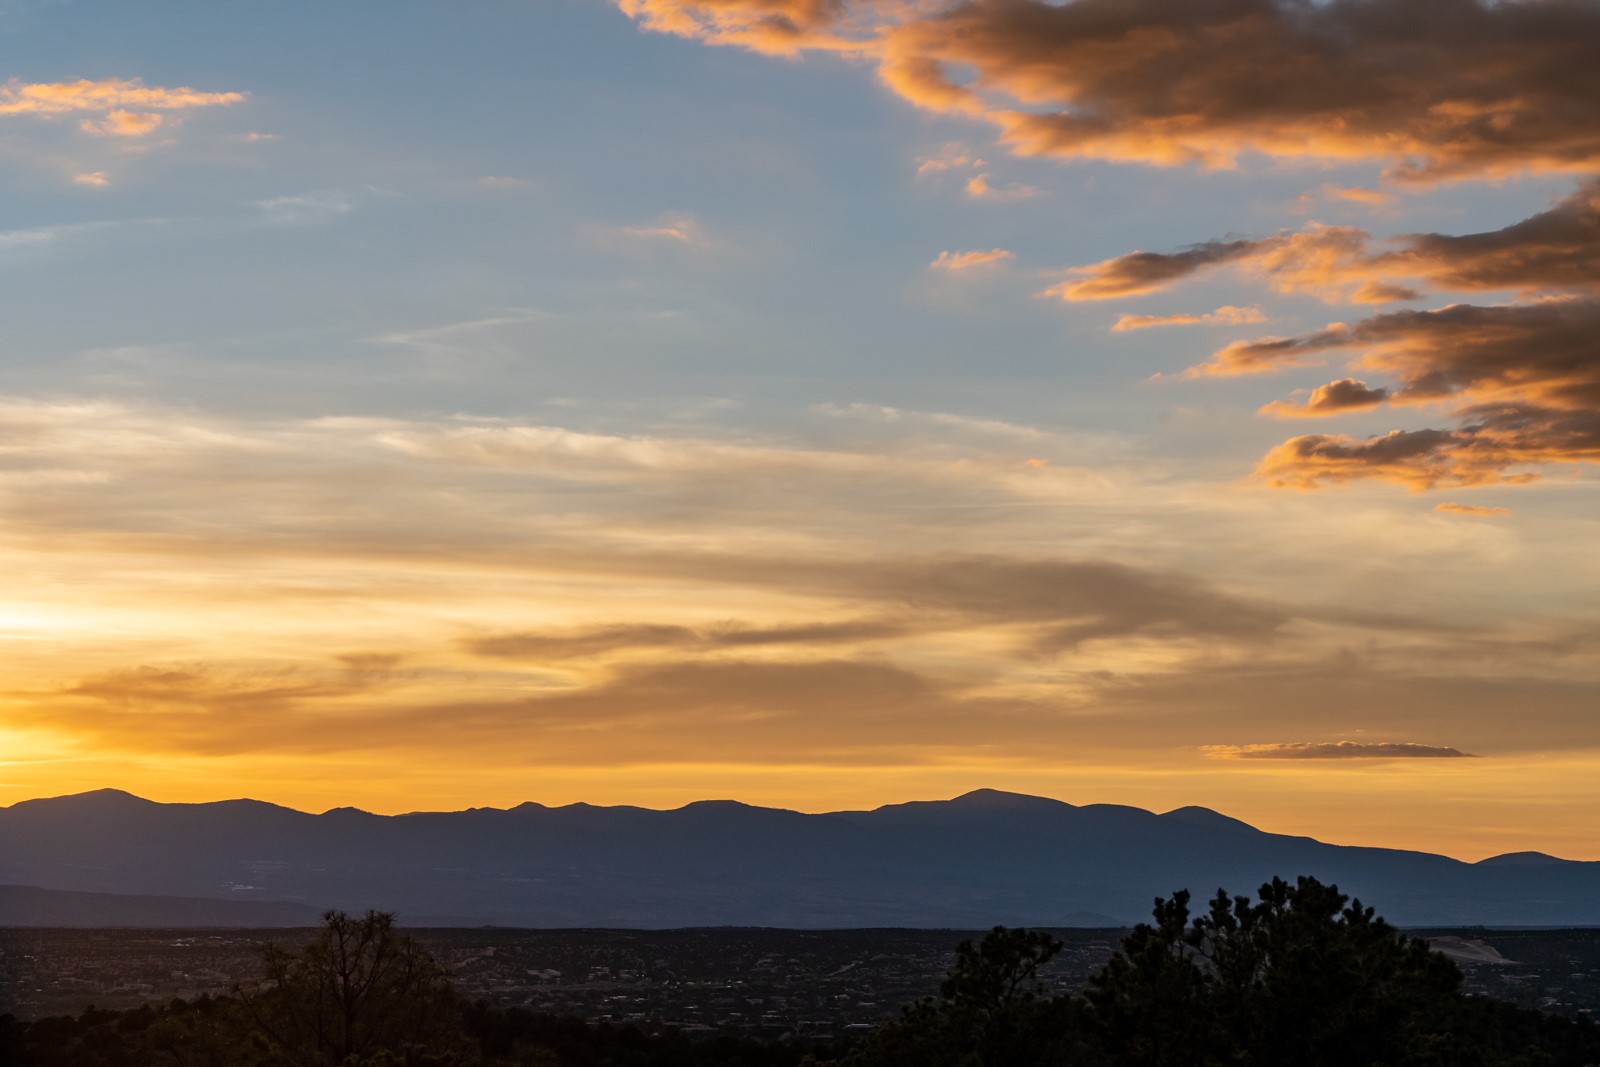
(1302, 976)
(990, 1011)
(360, 993)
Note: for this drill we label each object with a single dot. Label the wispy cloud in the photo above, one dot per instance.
(1472, 510)
(107, 96)
(1228, 315)
(952, 156)
(1322, 750)
(122, 123)
(956, 261)
(48, 235)
(305, 209)
(671, 229)
(980, 188)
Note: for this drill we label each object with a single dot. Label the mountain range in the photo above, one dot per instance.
(983, 858)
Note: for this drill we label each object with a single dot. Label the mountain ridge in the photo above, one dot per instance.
(984, 857)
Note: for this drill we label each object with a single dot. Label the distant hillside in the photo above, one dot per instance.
(983, 858)
(26, 905)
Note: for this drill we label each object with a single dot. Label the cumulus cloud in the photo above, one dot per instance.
(1522, 381)
(1545, 353)
(1437, 89)
(1558, 249)
(1346, 394)
(1487, 450)
(1228, 315)
(1335, 750)
(954, 261)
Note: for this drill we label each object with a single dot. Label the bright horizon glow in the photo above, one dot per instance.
(815, 405)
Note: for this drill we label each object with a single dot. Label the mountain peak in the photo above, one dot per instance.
(93, 799)
(993, 799)
(1199, 816)
(1521, 859)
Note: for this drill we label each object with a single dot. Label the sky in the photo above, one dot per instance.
(820, 403)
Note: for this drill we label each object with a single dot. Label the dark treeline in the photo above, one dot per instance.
(1300, 976)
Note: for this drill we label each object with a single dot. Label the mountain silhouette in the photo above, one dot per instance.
(982, 858)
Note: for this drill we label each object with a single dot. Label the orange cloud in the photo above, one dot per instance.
(1357, 195)
(1228, 315)
(1555, 249)
(953, 261)
(1171, 82)
(1474, 510)
(1484, 452)
(107, 96)
(1346, 394)
(1547, 353)
(779, 27)
(953, 156)
(1523, 379)
(124, 123)
(1329, 262)
(979, 189)
(93, 177)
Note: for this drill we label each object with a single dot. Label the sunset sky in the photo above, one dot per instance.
(822, 403)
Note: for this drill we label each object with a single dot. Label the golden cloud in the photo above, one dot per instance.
(1546, 353)
(1473, 510)
(1558, 249)
(1329, 262)
(634, 637)
(1510, 86)
(124, 123)
(980, 188)
(1486, 451)
(108, 95)
(1228, 315)
(1346, 394)
(954, 261)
